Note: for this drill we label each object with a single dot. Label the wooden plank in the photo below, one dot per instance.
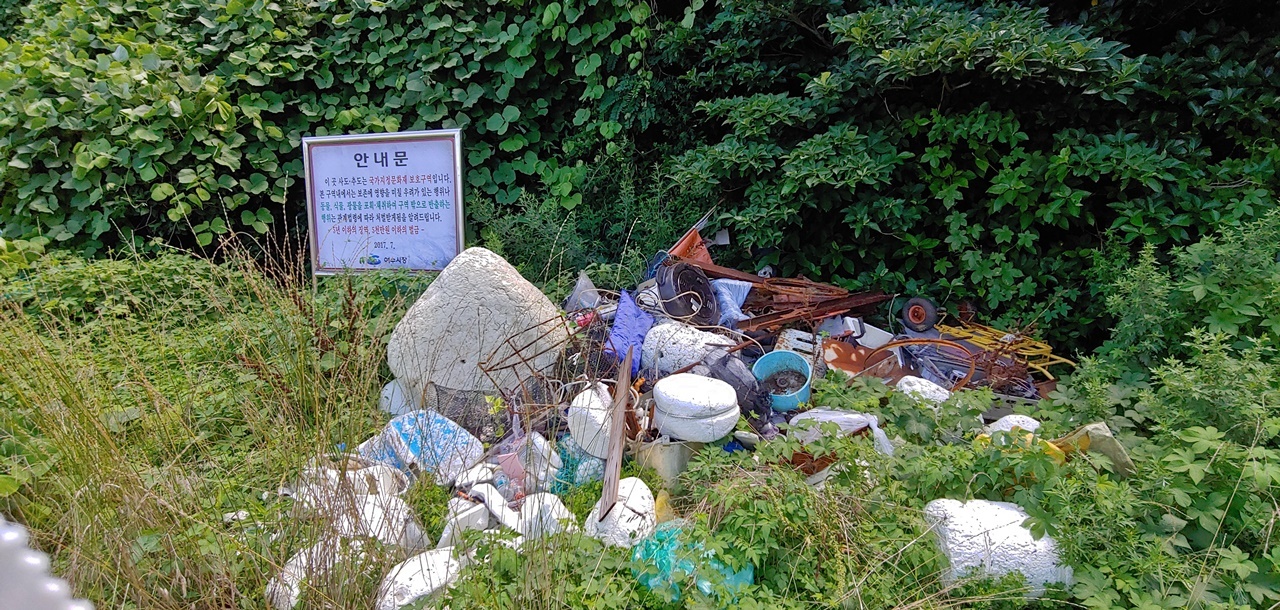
(617, 432)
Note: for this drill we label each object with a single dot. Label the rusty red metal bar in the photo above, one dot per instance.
(860, 304)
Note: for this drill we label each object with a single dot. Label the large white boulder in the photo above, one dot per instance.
(476, 303)
(671, 346)
(418, 577)
(694, 408)
(591, 420)
(982, 538)
(632, 518)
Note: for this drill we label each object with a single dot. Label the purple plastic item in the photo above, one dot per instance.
(630, 325)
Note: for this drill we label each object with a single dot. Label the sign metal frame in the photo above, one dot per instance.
(310, 142)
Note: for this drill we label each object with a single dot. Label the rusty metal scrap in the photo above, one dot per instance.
(957, 348)
(1037, 355)
(715, 271)
(859, 304)
(516, 354)
(798, 291)
(781, 301)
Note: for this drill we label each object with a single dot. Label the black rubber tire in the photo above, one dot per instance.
(919, 314)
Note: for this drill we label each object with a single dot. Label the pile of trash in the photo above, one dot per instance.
(510, 401)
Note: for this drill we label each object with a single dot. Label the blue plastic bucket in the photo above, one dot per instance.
(783, 360)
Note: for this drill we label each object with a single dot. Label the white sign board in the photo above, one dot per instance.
(384, 201)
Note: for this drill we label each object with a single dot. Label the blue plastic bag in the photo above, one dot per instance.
(730, 295)
(425, 441)
(630, 325)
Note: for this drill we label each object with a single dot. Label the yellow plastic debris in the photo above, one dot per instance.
(662, 506)
(1026, 441)
(1097, 438)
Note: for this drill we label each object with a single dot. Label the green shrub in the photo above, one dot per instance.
(1226, 283)
(1197, 409)
(17, 255)
(966, 150)
(183, 119)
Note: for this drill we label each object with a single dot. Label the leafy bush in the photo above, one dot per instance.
(1226, 283)
(10, 15)
(1194, 526)
(967, 150)
(183, 119)
(1201, 420)
(17, 255)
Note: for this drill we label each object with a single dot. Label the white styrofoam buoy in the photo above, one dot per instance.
(24, 576)
(591, 420)
(986, 538)
(694, 408)
(631, 519)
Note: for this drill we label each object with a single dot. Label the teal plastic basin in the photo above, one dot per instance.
(783, 360)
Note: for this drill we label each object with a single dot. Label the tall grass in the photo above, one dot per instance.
(156, 419)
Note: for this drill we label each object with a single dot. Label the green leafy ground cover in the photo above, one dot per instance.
(144, 399)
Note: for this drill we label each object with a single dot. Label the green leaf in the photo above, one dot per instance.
(588, 65)
(513, 143)
(571, 201)
(506, 174)
(257, 184)
(8, 485)
(496, 123)
(162, 191)
(550, 14)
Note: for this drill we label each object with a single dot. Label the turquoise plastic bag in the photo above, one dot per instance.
(666, 551)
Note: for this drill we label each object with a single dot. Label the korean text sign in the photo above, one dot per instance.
(384, 201)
